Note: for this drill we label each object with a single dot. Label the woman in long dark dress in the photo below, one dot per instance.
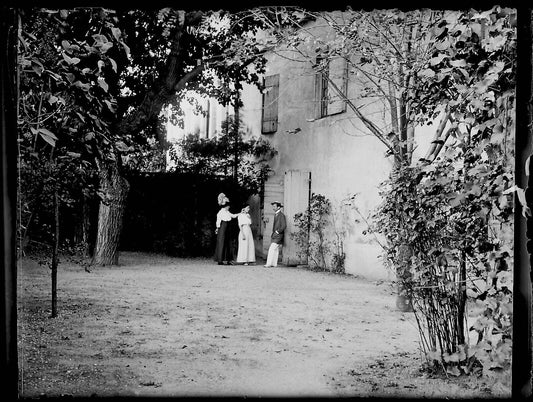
(224, 251)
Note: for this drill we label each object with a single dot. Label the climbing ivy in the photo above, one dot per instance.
(315, 226)
(448, 220)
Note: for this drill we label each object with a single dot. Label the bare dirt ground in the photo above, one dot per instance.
(160, 326)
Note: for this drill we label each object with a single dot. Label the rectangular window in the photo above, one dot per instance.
(269, 118)
(331, 77)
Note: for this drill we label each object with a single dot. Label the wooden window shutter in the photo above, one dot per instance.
(318, 96)
(338, 73)
(269, 120)
(321, 89)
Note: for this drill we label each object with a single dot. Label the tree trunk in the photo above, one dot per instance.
(114, 190)
(404, 302)
(461, 298)
(86, 227)
(55, 254)
(114, 187)
(410, 140)
(393, 108)
(405, 157)
(81, 235)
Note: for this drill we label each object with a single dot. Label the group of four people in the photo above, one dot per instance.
(246, 247)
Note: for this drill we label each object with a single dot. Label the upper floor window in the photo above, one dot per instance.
(269, 118)
(331, 77)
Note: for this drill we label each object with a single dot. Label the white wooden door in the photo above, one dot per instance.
(273, 192)
(297, 185)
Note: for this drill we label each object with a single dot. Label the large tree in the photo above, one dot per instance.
(120, 69)
(210, 52)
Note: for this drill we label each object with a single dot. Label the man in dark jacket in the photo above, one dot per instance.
(278, 232)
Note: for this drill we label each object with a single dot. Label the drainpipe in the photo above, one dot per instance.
(236, 128)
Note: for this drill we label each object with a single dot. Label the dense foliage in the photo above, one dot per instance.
(453, 258)
(315, 229)
(227, 154)
(174, 213)
(65, 113)
(448, 221)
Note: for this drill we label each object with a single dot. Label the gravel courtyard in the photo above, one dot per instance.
(161, 326)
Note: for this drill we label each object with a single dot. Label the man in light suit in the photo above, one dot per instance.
(278, 232)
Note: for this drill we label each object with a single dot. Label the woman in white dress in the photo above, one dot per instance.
(246, 251)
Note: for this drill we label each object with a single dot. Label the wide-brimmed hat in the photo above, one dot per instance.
(279, 204)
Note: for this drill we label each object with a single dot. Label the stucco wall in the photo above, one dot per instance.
(344, 159)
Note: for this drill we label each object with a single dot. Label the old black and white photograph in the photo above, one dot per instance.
(269, 201)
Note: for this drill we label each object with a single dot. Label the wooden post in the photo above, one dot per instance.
(8, 170)
(521, 358)
(236, 128)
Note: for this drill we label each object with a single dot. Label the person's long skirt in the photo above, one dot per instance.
(246, 251)
(223, 251)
